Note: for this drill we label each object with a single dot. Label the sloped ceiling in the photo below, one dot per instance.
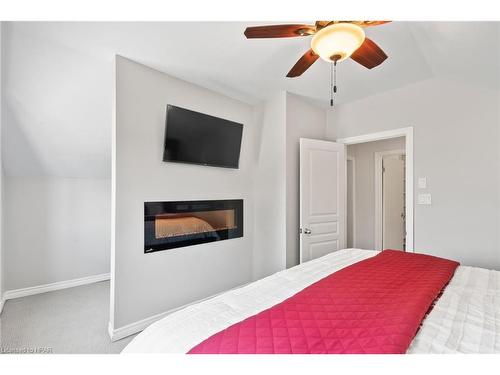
(58, 76)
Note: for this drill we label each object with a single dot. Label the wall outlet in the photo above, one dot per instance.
(424, 199)
(422, 182)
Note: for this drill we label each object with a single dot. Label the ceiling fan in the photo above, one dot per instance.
(333, 41)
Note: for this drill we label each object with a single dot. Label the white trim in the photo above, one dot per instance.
(387, 134)
(2, 303)
(408, 134)
(133, 328)
(17, 293)
(140, 325)
(113, 198)
(353, 161)
(379, 193)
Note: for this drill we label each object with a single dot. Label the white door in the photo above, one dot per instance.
(393, 202)
(322, 198)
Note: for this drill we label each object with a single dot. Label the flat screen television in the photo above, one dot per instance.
(197, 138)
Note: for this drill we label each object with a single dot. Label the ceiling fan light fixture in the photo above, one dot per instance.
(337, 42)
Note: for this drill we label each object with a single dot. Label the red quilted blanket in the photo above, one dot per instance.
(373, 306)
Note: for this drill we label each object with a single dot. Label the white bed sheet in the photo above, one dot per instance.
(465, 319)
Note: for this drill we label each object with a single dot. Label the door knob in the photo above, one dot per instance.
(307, 231)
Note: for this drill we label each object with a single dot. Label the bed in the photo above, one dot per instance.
(464, 319)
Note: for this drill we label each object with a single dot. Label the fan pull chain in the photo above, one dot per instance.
(333, 81)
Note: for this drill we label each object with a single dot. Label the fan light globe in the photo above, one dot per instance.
(338, 41)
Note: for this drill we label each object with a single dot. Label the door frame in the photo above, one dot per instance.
(395, 133)
(379, 156)
(352, 159)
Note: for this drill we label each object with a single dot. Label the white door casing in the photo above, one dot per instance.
(322, 198)
(394, 133)
(351, 202)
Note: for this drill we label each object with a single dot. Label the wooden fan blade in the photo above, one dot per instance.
(372, 23)
(321, 24)
(303, 64)
(369, 54)
(279, 31)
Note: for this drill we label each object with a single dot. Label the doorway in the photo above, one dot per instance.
(398, 216)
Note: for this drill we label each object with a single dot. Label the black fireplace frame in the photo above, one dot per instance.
(151, 209)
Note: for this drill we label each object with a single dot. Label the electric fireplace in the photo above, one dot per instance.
(168, 225)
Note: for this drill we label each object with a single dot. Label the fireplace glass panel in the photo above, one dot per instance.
(169, 225)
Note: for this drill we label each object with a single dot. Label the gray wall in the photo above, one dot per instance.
(364, 154)
(269, 248)
(456, 145)
(56, 158)
(303, 120)
(148, 284)
(57, 229)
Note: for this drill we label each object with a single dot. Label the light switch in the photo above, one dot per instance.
(422, 182)
(424, 199)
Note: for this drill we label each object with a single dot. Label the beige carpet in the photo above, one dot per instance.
(72, 320)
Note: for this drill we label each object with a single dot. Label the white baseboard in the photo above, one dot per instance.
(17, 293)
(141, 325)
(133, 328)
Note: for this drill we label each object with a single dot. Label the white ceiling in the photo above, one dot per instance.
(57, 77)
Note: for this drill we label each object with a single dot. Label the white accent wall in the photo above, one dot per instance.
(456, 127)
(57, 229)
(150, 284)
(145, 285)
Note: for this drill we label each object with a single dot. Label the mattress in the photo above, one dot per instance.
(465, 319)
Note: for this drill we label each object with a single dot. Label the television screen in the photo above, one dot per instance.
(196, 138)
